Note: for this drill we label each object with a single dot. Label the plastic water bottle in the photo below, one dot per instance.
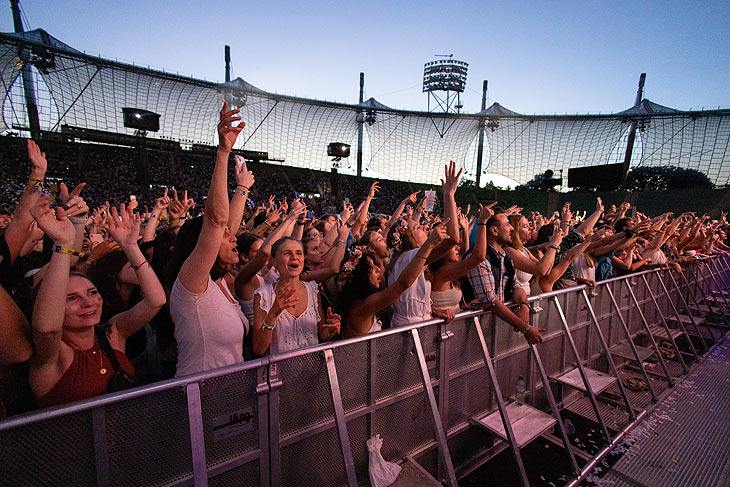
(520, 390)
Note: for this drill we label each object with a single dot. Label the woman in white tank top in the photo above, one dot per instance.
(526, 264)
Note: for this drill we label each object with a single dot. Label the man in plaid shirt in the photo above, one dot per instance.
(495, 290)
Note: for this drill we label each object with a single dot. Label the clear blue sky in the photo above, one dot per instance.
(539, 57)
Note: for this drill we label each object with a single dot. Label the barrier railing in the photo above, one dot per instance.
(428, 389)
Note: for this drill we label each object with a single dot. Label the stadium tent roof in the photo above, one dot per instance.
(497, 109)
(373, 103)
(239, 84)
(646, 107)
(89, 92)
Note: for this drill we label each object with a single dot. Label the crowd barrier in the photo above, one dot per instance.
(430, 390)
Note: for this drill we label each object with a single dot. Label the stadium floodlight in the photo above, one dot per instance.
(338, 150)
(445, 75)
(137, 118)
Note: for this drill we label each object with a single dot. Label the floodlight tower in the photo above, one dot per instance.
(444, 80)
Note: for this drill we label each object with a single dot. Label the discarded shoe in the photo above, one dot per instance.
(635, 384)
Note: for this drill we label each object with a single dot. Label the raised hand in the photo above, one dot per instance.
(244, 177)
(188, 202)
(273, 216)
(297, 208)
(557, 236)
(512, 210)
(162, 202)
(124, 226)
(346, 212)
(599, 204)
(284, 205)
(451, 181)
(437, 235)
(56, 225)
(566, 215)
(486, 212)
(76, 206)
(411, 198)
(374, 188)
(37, 161)
(227, 133)
(64, 195)
(176, 209)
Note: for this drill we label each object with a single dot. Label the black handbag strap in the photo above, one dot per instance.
(107, 348)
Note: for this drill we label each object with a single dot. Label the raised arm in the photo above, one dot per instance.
(362, 212)
(124, 228)
(17, 231)
(586, 228)
(450, 183)
(333, 258)
(455, 270)
(246, 273)
(150, 229)
(411, 198)
(50, 303)
(381, 299)
(244, 182)
(195, 271)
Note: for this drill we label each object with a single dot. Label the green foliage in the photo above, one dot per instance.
(661, 178)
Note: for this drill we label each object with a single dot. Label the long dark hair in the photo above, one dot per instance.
(104, 274)
(187, 239)
(358, 288)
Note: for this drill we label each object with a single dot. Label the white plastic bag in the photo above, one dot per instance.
(382, 473)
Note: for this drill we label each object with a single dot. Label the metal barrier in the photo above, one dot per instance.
(303, 417)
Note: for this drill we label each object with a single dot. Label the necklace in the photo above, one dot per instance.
(102, 369)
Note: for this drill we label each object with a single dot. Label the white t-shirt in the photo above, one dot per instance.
(292, 333)
(414, 305)
(209, 329)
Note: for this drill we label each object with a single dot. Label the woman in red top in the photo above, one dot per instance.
(68, 363)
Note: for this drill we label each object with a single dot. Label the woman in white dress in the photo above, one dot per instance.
(288, 312)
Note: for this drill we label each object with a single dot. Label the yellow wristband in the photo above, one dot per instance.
(66, 250)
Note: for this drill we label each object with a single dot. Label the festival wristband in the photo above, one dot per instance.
(65, 250)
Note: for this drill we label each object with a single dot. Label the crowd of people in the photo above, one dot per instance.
(98, 297)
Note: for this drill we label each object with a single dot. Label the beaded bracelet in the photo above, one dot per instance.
(268, 327)
(137, 267)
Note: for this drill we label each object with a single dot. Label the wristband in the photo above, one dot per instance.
(65, 250)
(299, 223)
(242, 186)
(241, 192)
(341, 241)
(77, 220)
(38, 182)
(267, 327)
(553, 246)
